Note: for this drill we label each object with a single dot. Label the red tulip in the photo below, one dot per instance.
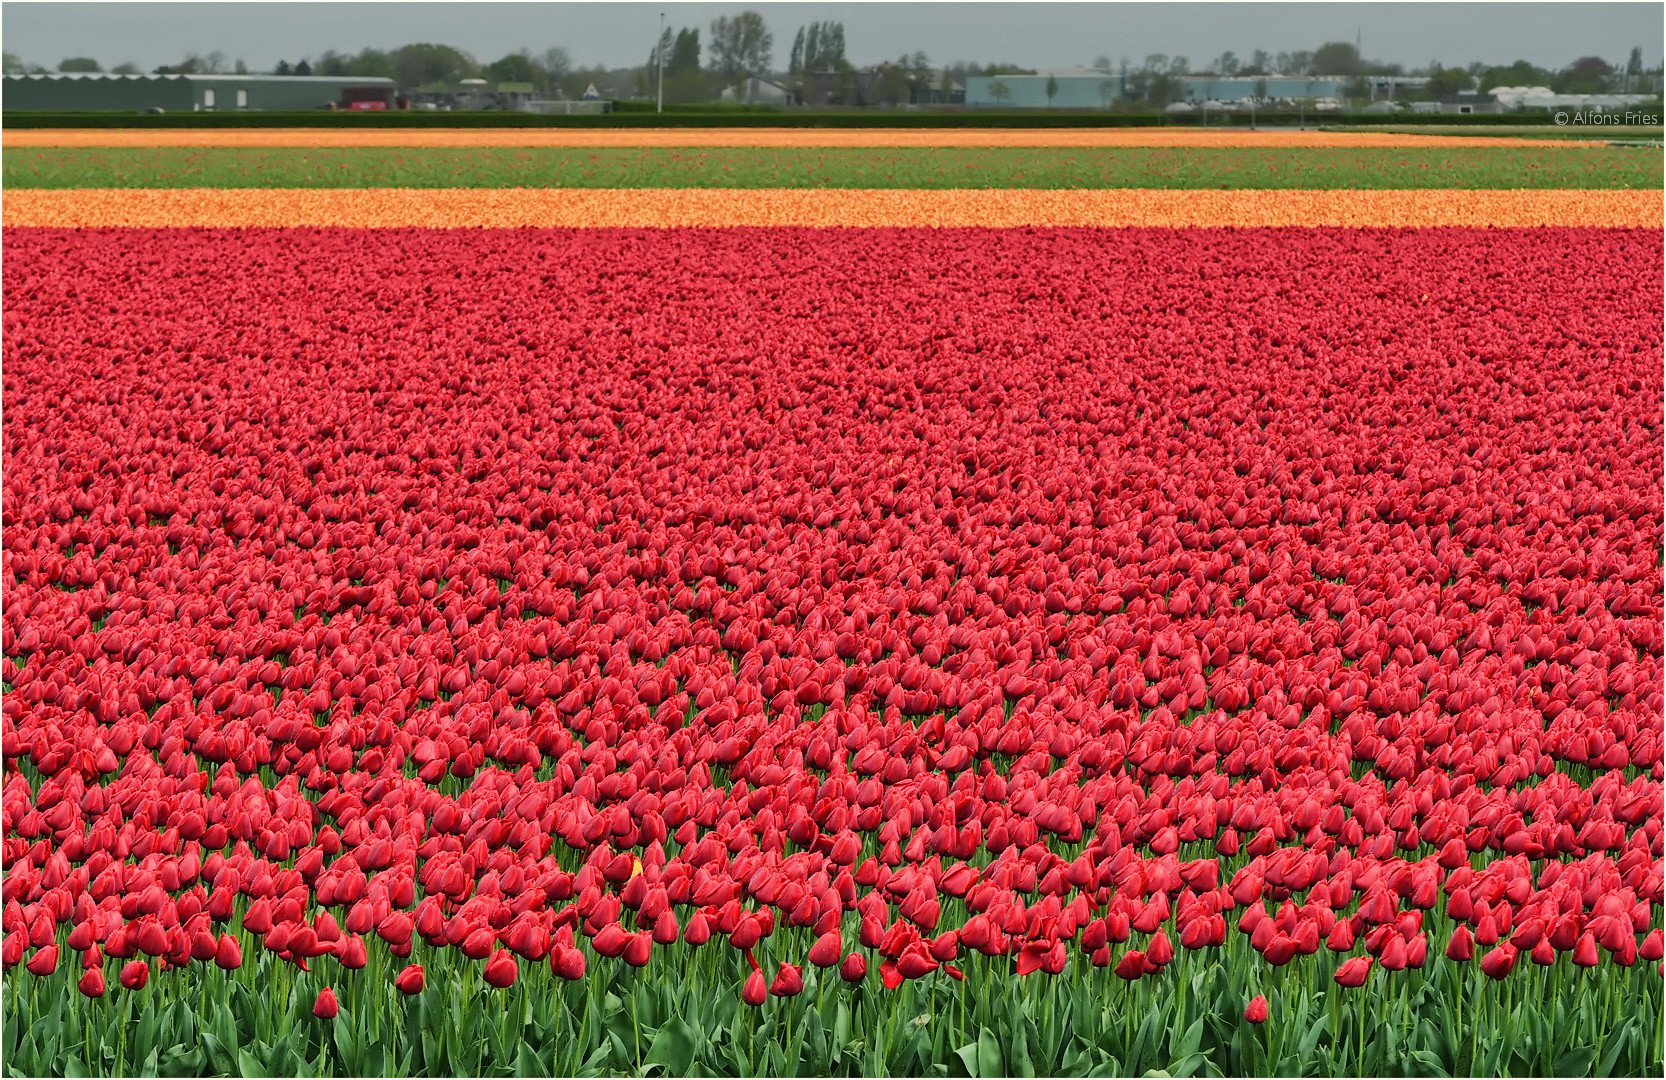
(567, 962)
(44, 962)
(1460, 947)
(135, 974)
(326, 1007)
(1132, 965)
(789, 981)
(1353, 971)
(92, 983)
(1256, 1011)
(1159, 952)
(1497, 963)
(501, 969)
(854, 968)
(825, 952)
(228, 954)
(410, 980)
(754, 992)
(352, 953)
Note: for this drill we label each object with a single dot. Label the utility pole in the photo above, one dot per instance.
(659, 61)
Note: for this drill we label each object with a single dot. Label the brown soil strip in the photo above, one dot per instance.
(737, 137)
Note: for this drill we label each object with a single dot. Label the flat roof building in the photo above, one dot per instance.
(1086, 88)
(102, 92)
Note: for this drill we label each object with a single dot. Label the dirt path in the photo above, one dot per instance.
(739, 137)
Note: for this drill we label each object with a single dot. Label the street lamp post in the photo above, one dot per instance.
(659, 62)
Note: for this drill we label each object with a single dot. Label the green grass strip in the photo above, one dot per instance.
(1420, 167)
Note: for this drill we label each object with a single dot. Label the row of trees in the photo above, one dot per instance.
(818, 69)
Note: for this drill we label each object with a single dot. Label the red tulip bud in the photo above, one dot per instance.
(411, 980)
(501, 969)
(326, 1007)
(1256, 1011)
(755, 990)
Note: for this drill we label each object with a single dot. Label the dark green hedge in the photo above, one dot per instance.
(735, 117)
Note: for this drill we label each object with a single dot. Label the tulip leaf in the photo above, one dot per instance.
(989, 1055)
(74, 1068)
(1618, 1039)
(1310, 1038)
(342, 1030)
(527, 1063)
(1576, 1062)
(218, 1055)
(674, 1047)
(1191, 1040)
(1021, 1063)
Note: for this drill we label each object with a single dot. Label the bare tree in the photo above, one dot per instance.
(557, 61)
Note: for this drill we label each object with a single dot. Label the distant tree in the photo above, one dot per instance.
(795, 55)
(79, 63)
(1259, 60)
(1634, 67)
(661, 52)
(195, 65)
(1261, 88)
(556, 61)
(1301, 63)
(1162, 90)
(818, 47)
(1337, 58)
(423, 63)
(372, 63)
(1101, 63)
(1227, 64)
(1000, 91)
(891, 88)
(126, 67)
(685, 83)
(12, 64)
(685, 53)
(1520, 73)
(283, 68)
(517, 67)
(240, 68)
(303, 69)
(1446, 81)
(1587, 75)
(1052, 90)
(1179, 66)
(741, 46)
(1156, 62)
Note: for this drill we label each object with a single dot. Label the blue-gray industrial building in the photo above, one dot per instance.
(1085, 88)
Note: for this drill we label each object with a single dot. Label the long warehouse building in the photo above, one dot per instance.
(99, 92)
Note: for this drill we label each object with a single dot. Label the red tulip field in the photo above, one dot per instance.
(797, 652)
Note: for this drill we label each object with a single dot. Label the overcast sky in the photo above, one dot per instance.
(1035, 35)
